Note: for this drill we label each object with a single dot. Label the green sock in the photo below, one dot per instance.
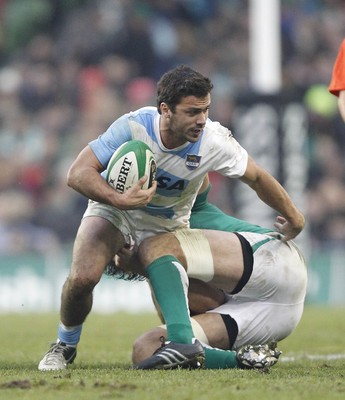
(169, 282)
(220, 359)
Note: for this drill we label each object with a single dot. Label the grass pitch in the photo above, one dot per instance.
(312, 365)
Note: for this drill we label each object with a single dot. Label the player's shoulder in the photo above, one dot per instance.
(143, 112)
(144, 116)
(216, 129)
(218, 136)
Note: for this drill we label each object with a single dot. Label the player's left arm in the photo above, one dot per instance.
(291, 221)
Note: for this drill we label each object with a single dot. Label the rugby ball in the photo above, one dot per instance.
(131, 161)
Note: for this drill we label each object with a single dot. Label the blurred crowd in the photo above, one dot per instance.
(70, 68)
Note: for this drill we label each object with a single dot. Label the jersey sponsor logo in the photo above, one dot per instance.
(170, 185)
(192, 161)
(165, 182)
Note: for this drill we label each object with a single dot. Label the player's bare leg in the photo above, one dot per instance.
(96, 243)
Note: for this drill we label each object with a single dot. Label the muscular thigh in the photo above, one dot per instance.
(212, 256)
(96, 243)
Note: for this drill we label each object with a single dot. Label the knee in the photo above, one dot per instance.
(154, 247)
(81, 283)
(146, 344)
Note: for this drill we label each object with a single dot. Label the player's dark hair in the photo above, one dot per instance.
(180, 82)
(118, 273)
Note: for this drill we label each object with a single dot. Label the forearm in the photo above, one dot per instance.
(274, 195)
(89, 183)
(84, 176)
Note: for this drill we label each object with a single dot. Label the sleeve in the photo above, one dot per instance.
(208, 216)
(338, 75)
(229, 158)
(232, 163)
(106, 144)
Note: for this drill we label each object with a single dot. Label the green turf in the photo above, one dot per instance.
(102, 368)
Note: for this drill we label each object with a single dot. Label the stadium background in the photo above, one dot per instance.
(69, 68)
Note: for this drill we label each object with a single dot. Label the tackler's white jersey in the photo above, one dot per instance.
(180, 171)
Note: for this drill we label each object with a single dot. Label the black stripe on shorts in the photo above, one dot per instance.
(248, 261)
(231, 327)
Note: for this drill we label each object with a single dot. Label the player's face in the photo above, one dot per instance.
(188, 121)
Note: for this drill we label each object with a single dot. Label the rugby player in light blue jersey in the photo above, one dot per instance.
(187, 145)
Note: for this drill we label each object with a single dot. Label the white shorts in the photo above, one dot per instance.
(130, 223)
(270, 305)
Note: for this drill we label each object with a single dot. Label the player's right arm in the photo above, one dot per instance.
(84, 176)
(337, 83)
(341, 103)
(291, 221)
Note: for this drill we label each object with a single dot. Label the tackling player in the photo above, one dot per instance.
(266, 309)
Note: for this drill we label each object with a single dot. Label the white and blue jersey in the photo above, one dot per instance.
(180, 171)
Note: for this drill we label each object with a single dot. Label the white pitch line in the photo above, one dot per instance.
(326, 357)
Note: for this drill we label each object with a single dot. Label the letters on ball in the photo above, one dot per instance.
(131, 161)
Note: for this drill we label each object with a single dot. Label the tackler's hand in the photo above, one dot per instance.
(288, 229)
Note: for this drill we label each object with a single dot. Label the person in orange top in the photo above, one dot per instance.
(337, 84)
